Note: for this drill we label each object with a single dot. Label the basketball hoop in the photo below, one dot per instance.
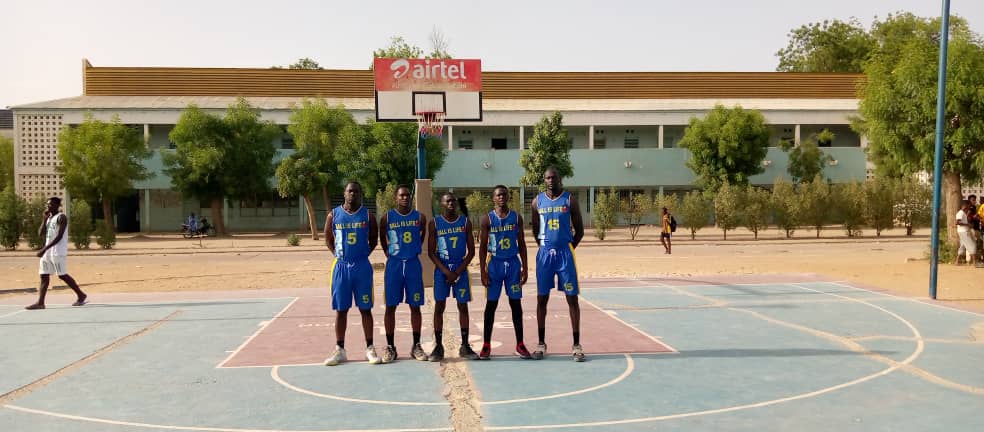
(431, 123)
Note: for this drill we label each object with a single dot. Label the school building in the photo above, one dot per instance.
(625, 127)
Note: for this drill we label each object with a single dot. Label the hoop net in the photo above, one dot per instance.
(431, 123)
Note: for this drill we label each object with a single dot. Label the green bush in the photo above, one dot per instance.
(695, 211)
(80, 224)
(12, 209)
(33, 212)
(386, 200)
(293, 240)
(605, 212)
(105, 237)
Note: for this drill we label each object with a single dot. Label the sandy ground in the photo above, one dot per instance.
(167, 262)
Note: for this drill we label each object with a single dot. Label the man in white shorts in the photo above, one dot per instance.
(968, 244)
(53, 254)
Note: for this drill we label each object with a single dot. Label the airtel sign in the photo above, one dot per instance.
(422, 74)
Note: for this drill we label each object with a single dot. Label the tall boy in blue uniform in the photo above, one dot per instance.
(451, 249)
(558, 229)
(502, 255)
(350, 232)
(403, 281)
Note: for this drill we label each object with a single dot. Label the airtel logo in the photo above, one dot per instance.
(427, 70)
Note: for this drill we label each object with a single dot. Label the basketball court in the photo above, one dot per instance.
(777, 353)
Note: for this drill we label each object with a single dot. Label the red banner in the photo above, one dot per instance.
(427, 74)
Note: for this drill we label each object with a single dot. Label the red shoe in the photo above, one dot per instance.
(486, 352)
(522, 352)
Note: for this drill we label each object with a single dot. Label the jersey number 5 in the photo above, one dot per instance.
(351, 238)
(553, 224)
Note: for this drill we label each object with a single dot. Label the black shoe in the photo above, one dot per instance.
(466, 352)
(436, 355)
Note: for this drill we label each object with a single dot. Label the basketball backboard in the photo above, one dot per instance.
(406, 88)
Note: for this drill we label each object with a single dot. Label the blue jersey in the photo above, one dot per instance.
(403, 234)
(351, 234)
(503, 235)
(451, 238)
(555, 220)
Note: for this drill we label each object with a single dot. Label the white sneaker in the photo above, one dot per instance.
(371, 356)
(578, 353)
(336, 357)
(540, 351)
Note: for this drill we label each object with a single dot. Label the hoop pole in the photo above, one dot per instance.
(421, 160)
(938, 161)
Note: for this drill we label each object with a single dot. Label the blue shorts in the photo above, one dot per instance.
(504, 273)
(350, 280)
(558, 262)
(461, 290)
(403, 281)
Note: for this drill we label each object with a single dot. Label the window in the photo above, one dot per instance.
(599, 143)
(465, 144)
(287, 142)
(631, 143)
(498, 143)
(268, 205)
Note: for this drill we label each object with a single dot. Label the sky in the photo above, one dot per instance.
(45, 41)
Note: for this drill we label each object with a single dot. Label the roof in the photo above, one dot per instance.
(358, 84)
(289, 103)
(6, 119)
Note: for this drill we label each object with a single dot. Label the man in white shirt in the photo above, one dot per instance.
(968, 245)
(54, 253)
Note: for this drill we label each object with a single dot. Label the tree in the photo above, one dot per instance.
(695, 210)
(439, 44)
(880, 198)
(386, 199)
(398, 48)
(317, 129)
(31, 215)
(299, 176)
(100, 161)
(814, 198)
(786, 206)
(6, 162)
(757, 209)
(634, 208)
(848, 202)
(806, 160)
(302, 63)
(829, 46)
(550, 146)
(914, 208)
(728, 145)
(605, 212)
(479, 204)
(379, 153)
(898, 102)
(728, 205)
(670, 201)
(221, 157)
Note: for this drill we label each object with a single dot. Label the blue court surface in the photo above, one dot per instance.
(791, 353)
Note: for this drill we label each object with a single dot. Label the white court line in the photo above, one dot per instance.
(630, 326)
(203, 428)
(166, 302)
(12, 313)
(915, 300)
(256, 333)
(912, 357)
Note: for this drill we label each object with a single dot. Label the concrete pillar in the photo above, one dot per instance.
(423, 200)
(450, 137)
(522, 137)
(796, 136)
(225, 212)
(522, 200)
(661, 192)
(591, 137)
(146, 135)
(146, 212)
(660, 136)
(864, 142)
(591, 199)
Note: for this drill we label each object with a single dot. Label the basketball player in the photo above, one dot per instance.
(350, 232)
(451, 248)
(404, 229)
(558, 229)
(502, 255)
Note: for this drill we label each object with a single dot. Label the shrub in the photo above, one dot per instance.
(605, 214)
(32, 213)
(80, 224)
(293, 240)
(695, 210)
(385, 199)
(105, 237)
(11, 218)
(728, 205)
